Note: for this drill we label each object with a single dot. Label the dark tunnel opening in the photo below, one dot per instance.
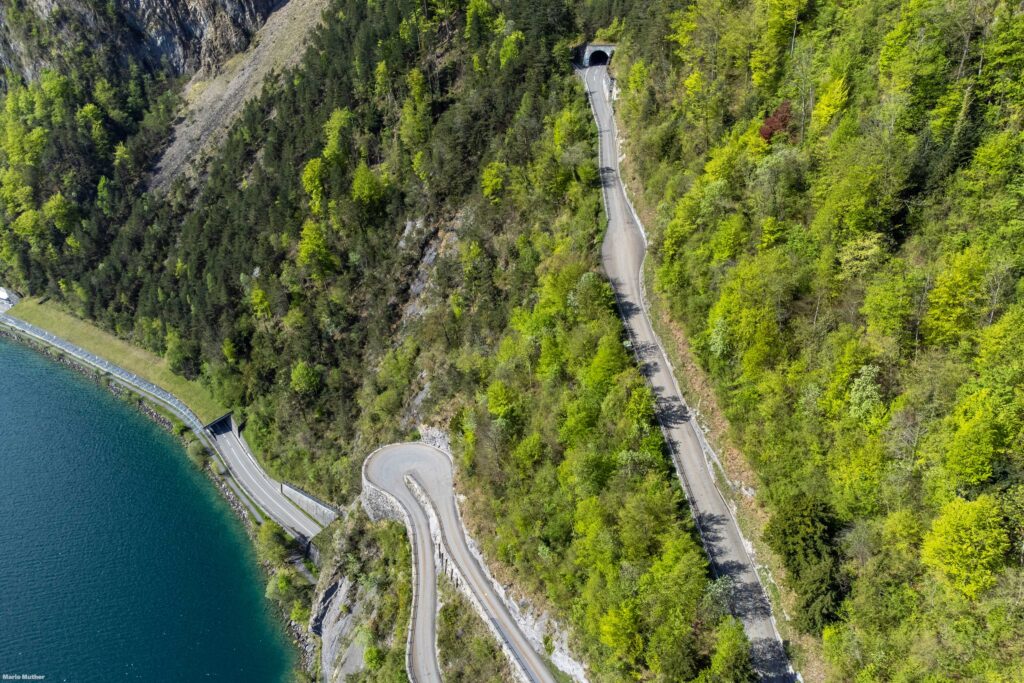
(597, 58)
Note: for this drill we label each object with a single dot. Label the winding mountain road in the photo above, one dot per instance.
(622, 257)
(397, 471)
(412, 482)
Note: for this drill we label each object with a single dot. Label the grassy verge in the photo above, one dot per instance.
(143, 363)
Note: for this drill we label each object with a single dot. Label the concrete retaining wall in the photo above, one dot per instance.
(312, 507)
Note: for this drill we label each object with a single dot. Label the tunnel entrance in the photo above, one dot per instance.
(596, 54)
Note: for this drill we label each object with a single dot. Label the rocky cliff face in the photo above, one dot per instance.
(196, 34)
(181, 36)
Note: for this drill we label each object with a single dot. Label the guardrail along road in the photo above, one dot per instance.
(622, 257)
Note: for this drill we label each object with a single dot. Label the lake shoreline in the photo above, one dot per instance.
(301, 640)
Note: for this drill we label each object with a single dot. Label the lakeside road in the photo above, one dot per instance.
(256, 484)
(261, 487)
(622, 257)
(397, 470)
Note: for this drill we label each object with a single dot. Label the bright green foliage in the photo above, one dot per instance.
(669, 594)
(743, 323)
(414, 127)
(967, 544)
(830, 103)
(305, 379)
(314, 252)
(90, 121)
(60, 212)
(335, 129)
(259, 304)
(271, 542)
(511, 47)
(492, 182)
(501, 401)
(778, 19)
(889, 307)
(312, 183)
(974, 445)
(367, 186)
(954, 304)
(731, 662)
(836, 201)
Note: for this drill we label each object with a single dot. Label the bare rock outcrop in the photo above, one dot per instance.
(179, 36)
(213, 98)
(196, 35)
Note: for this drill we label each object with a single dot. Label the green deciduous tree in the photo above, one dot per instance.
(974, 446)
(731, 661)
(312, 182)
(305, 378)
(313, 252)
(367, 186)
(967, 544)
(271, 542)
(954, 304)
(492, 181)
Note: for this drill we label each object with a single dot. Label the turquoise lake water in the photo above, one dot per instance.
(118, 560)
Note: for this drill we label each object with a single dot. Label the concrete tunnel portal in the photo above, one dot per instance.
(597, 54)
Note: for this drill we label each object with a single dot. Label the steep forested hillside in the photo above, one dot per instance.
(80, 122)
(406, 227)
(838, 188)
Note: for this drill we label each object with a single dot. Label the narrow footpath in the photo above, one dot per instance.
(622, 257)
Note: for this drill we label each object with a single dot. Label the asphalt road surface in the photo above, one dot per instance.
(256, 483)
(622, 256)
(259, 486)
(387, 468)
